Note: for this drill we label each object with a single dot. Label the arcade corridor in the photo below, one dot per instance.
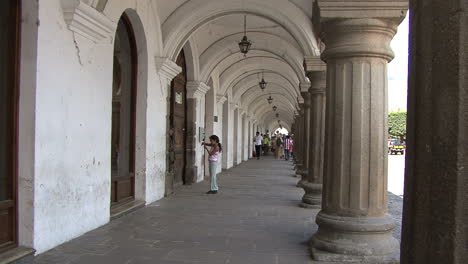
(254, 219)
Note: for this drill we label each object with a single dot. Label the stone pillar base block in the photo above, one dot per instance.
(311, 206)
(355, 239)
(323, 257)
(313, 195)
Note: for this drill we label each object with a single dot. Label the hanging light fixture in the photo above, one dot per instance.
(270, 100)
(245, 43)
(262, 83)
(274, 108)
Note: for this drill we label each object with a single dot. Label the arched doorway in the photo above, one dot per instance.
(178, 122)
(124, 90)
(9, 68)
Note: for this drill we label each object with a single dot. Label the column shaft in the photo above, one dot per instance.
(313, 184)
(354, 225)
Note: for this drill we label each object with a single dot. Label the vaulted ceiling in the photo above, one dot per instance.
(282, 36)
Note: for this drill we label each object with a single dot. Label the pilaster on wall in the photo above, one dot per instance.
(86, 21)
(195, 121)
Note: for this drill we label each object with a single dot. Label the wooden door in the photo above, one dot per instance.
(9, 53)
(124, 91)
(178, 121)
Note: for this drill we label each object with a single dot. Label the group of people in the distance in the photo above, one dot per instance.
(282, 146)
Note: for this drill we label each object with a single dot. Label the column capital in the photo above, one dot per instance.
(314, 64)
(304, 87)
(196, 89)
(221, 99)
(332, 9)
(86, 21)
(358, 28)
(166, 68)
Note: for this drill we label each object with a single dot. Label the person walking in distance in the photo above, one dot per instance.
(213, 159)
(287, 147)
(258, 144)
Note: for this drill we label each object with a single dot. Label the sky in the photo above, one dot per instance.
(398, 69)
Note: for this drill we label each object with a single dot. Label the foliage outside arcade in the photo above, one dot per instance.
(397, 124)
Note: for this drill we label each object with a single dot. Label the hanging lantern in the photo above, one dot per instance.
(274, 108)
(245, 43)
(270, 100)
(262, 83)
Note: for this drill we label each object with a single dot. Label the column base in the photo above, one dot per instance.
(313, 195)
(301, 173)
(355, 240)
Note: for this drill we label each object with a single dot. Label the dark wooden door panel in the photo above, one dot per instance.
(9, 59)
(123, 114)
(179, 123)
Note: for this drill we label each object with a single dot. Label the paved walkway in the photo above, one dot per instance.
(255, 218)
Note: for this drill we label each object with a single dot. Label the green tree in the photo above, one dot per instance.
(397, 124)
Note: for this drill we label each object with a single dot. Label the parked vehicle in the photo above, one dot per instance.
(397, 148)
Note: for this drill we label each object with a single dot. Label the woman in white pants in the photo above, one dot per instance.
(213, 160)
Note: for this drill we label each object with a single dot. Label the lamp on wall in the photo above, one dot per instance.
(274, 108)
(245, 43)
(262, 83)
(270, 100)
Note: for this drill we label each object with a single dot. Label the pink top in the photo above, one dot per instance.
(214, 157)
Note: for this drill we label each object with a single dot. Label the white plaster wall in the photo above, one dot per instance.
(73, 109)
(73, 128)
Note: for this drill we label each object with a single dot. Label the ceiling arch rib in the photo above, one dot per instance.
(264, 63)
(261, 110)
(226, 49)
(273, 120)
(278, 94)
(192, 15)
(273, 81)
(249, 79)
(237, 71)
(283, 105)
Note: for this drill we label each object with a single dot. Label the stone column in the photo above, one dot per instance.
(299, 144)
(316, 71)
(354, 225)
(435, 217)
(305, 132)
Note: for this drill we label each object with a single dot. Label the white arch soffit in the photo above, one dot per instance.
(261, 100)
(148, 14)
(193, 14)
(273, 122)
(295, 70)
(250, 79)
(274, 125)
(277, 92)
(227, 46)
(262, 110)
(273, 81)
(192, 60)
(267, 113)
(258, 64)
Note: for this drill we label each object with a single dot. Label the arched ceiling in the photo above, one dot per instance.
(281, 32)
